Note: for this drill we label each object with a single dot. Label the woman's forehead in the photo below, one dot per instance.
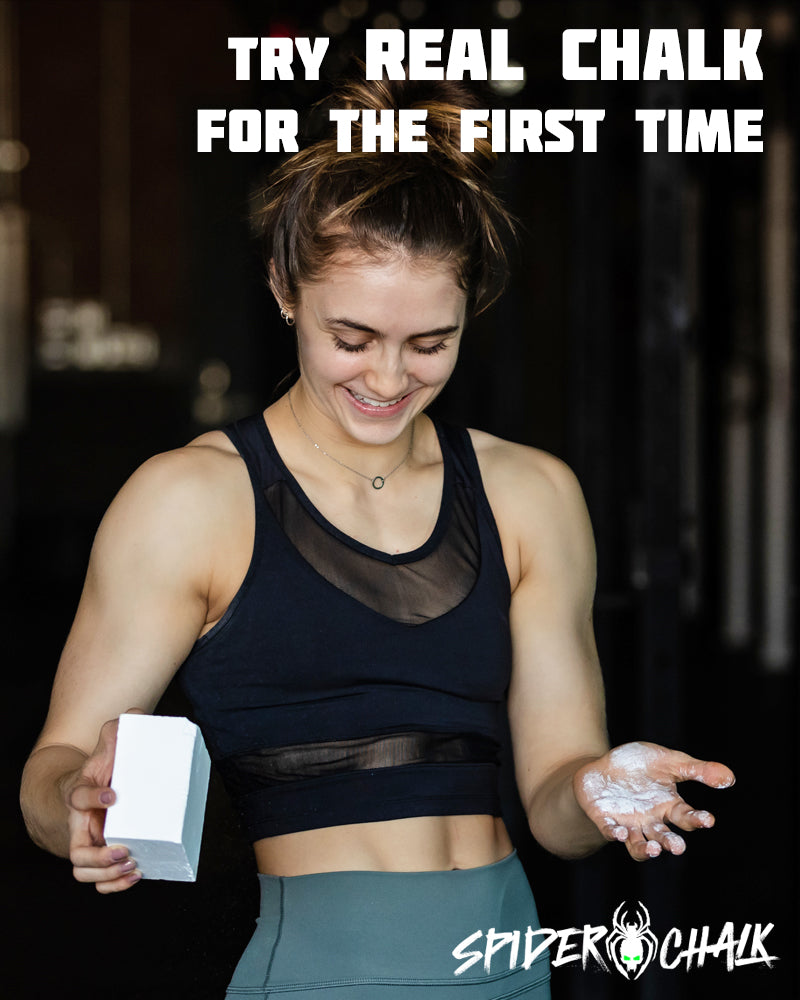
(382, 291)
(356, 271)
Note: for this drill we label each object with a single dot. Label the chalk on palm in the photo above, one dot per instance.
(160, 777)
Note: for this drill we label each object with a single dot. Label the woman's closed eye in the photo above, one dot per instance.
(343, 345)
(432, 349)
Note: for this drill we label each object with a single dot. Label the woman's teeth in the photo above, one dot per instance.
(375, 402)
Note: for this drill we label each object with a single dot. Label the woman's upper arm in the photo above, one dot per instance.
(556, 699)
(143, 604)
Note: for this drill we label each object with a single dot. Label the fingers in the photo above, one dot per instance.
(686, 818)
(86, 797)
(107, 880)
(667, 840)
(641, 847)
(117, 878)
(119, 885)
(612, 830)
(649, 840)
(110, 868)
(99, 858)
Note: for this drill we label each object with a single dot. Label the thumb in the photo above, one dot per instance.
(102, 759)
(708, 772)
(108, 731)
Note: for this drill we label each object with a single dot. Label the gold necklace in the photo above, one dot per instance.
(378, 482)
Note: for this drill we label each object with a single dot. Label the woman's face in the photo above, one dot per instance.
(377, 341)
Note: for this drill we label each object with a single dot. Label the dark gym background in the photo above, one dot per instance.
(647, 338)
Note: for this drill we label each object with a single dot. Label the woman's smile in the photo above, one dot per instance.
(375, 402)
(376, 407)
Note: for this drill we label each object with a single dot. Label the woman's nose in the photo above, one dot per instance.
(387, 376)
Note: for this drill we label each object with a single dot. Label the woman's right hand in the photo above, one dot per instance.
(87, 795)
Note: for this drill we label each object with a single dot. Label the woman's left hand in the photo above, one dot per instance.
(630, 794)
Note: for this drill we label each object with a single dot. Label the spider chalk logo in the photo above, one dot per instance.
(631, 946)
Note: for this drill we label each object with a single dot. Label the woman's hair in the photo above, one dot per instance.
(436, 204)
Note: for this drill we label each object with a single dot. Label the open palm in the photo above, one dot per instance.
(631, 795)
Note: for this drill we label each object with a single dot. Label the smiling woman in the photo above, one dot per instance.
(353, 595)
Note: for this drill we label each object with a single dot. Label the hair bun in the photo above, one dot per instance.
(442, 99)
(435, 205)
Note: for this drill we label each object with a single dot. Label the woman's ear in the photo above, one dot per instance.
(287, 313)
(273, 283)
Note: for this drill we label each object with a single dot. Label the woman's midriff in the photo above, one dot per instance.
(419, 843)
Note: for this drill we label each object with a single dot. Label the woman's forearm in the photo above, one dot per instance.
(42, 795)
(556, 820)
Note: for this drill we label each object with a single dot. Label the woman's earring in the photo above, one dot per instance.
(287, 318)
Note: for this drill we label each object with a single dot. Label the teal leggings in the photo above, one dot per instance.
(391, 936)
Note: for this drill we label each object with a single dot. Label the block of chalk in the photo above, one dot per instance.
(161, 771)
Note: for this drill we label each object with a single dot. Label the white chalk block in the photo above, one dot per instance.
(161, 770)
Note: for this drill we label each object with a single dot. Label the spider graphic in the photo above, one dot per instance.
(631, 946)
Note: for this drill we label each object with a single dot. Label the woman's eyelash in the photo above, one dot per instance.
(431, 350)
(342, 345)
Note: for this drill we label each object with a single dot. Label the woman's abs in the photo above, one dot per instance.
(418, 843)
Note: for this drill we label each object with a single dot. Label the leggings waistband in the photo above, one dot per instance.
(338, 928)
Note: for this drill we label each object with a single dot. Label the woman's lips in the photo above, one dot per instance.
(378, 407)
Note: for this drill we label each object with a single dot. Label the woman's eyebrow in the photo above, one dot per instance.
(363, 328)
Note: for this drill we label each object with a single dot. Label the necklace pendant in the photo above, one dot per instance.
(377, 482)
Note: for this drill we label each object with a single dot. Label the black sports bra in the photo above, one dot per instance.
(348, 685)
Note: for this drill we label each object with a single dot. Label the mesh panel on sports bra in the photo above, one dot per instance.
(275, 765)
(407, 592)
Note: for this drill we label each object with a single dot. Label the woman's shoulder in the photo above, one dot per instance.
(201, 461)
(186, 487)
(537, 504)
(520, 468)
